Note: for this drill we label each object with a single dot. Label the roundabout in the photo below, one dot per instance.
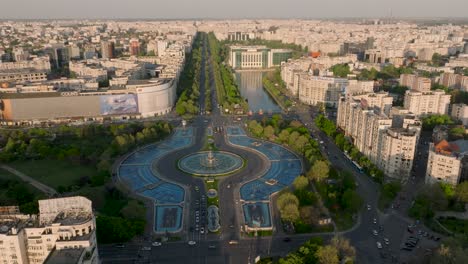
(211, 163)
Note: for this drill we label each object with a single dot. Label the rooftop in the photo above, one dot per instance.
(65, 256)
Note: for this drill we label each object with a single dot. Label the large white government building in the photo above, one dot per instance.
(256, 57)
(63, 232)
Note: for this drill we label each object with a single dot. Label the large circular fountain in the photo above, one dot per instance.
(211, 163)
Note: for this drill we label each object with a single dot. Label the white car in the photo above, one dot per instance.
(375, 232)
(192, 243)
(387, 242)
(146, 248)
(202, 230)
(156, 244)
(375, 220)
(368, 207)
(379, 245)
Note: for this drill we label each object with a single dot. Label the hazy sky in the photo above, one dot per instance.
(173, 9)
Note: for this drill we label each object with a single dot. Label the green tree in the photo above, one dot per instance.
(288, 205)
(351, 201)
(269, 132)
(301, 182)
(327, 255)
(319, 171)
(461, 192)
(340, 70)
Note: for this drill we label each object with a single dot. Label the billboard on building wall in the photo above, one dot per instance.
(118, 104)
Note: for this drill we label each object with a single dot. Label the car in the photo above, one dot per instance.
(287, 239)
(368, 207)
(146, 248)
(375, 232)
(197, 188)
(233, 242)
(406, 248)
(212, 246)
(156, 244)
(409, 245)
(381, 228)
(375, 220)
(229, 186)
(387, 242)
(202, 230)
(192, 243)
(379, 245)
(119, 245)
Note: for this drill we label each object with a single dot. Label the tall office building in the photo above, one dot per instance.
(59, 56)
(134, 47)
(107, 50)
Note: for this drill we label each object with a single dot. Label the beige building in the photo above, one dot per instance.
(63, 232)
(447, 162)
(454, 81)
(397, 152)
(423, 103)
(415, 82)
(314, 89)
(359, 87)
(460, 112)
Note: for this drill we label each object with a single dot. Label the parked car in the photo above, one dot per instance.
(192, 243)
(146, 248)
(379, 245)
(375, 232)
(156, 244)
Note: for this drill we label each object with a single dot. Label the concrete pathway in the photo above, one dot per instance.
(38, 185)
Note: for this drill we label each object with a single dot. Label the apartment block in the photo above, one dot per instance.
(454, 81)
(423, 103)
(372, 131)
(314, 89)
(415, 82)
(63, 232)
(460, 112)
(447, 162)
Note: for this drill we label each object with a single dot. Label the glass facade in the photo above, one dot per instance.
(279, 57)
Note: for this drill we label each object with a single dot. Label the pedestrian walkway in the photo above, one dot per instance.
(40, 186)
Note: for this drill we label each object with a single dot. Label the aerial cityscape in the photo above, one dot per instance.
(206, 134)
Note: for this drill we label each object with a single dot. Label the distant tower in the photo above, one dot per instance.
(466, 47)
(134, 47)
(107, 50)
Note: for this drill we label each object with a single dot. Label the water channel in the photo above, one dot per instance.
(251, 88)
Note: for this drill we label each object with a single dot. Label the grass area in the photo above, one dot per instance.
(303, 228)
(6, 175)
(456, 225)
(212, 185)
(54, 173)
(261, 233)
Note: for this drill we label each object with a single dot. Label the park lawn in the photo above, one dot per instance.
(456, 225)
(6, 175)
(54, 173)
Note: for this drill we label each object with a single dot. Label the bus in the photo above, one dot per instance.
(358, 167)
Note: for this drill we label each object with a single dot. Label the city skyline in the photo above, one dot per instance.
(211, 9)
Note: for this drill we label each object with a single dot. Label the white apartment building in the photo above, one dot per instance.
(415, 82)
(359, 87)
(423, 103)
(447, 162)
(63, 232)
(315, 89)
(397, 152)
(460, 112)
(390, 148)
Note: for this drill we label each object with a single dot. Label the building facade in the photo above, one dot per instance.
(63, 232)
(460, 112)
(423, 103)
(256, 57)
(447, 162)
(315, 89)
(415, 82)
